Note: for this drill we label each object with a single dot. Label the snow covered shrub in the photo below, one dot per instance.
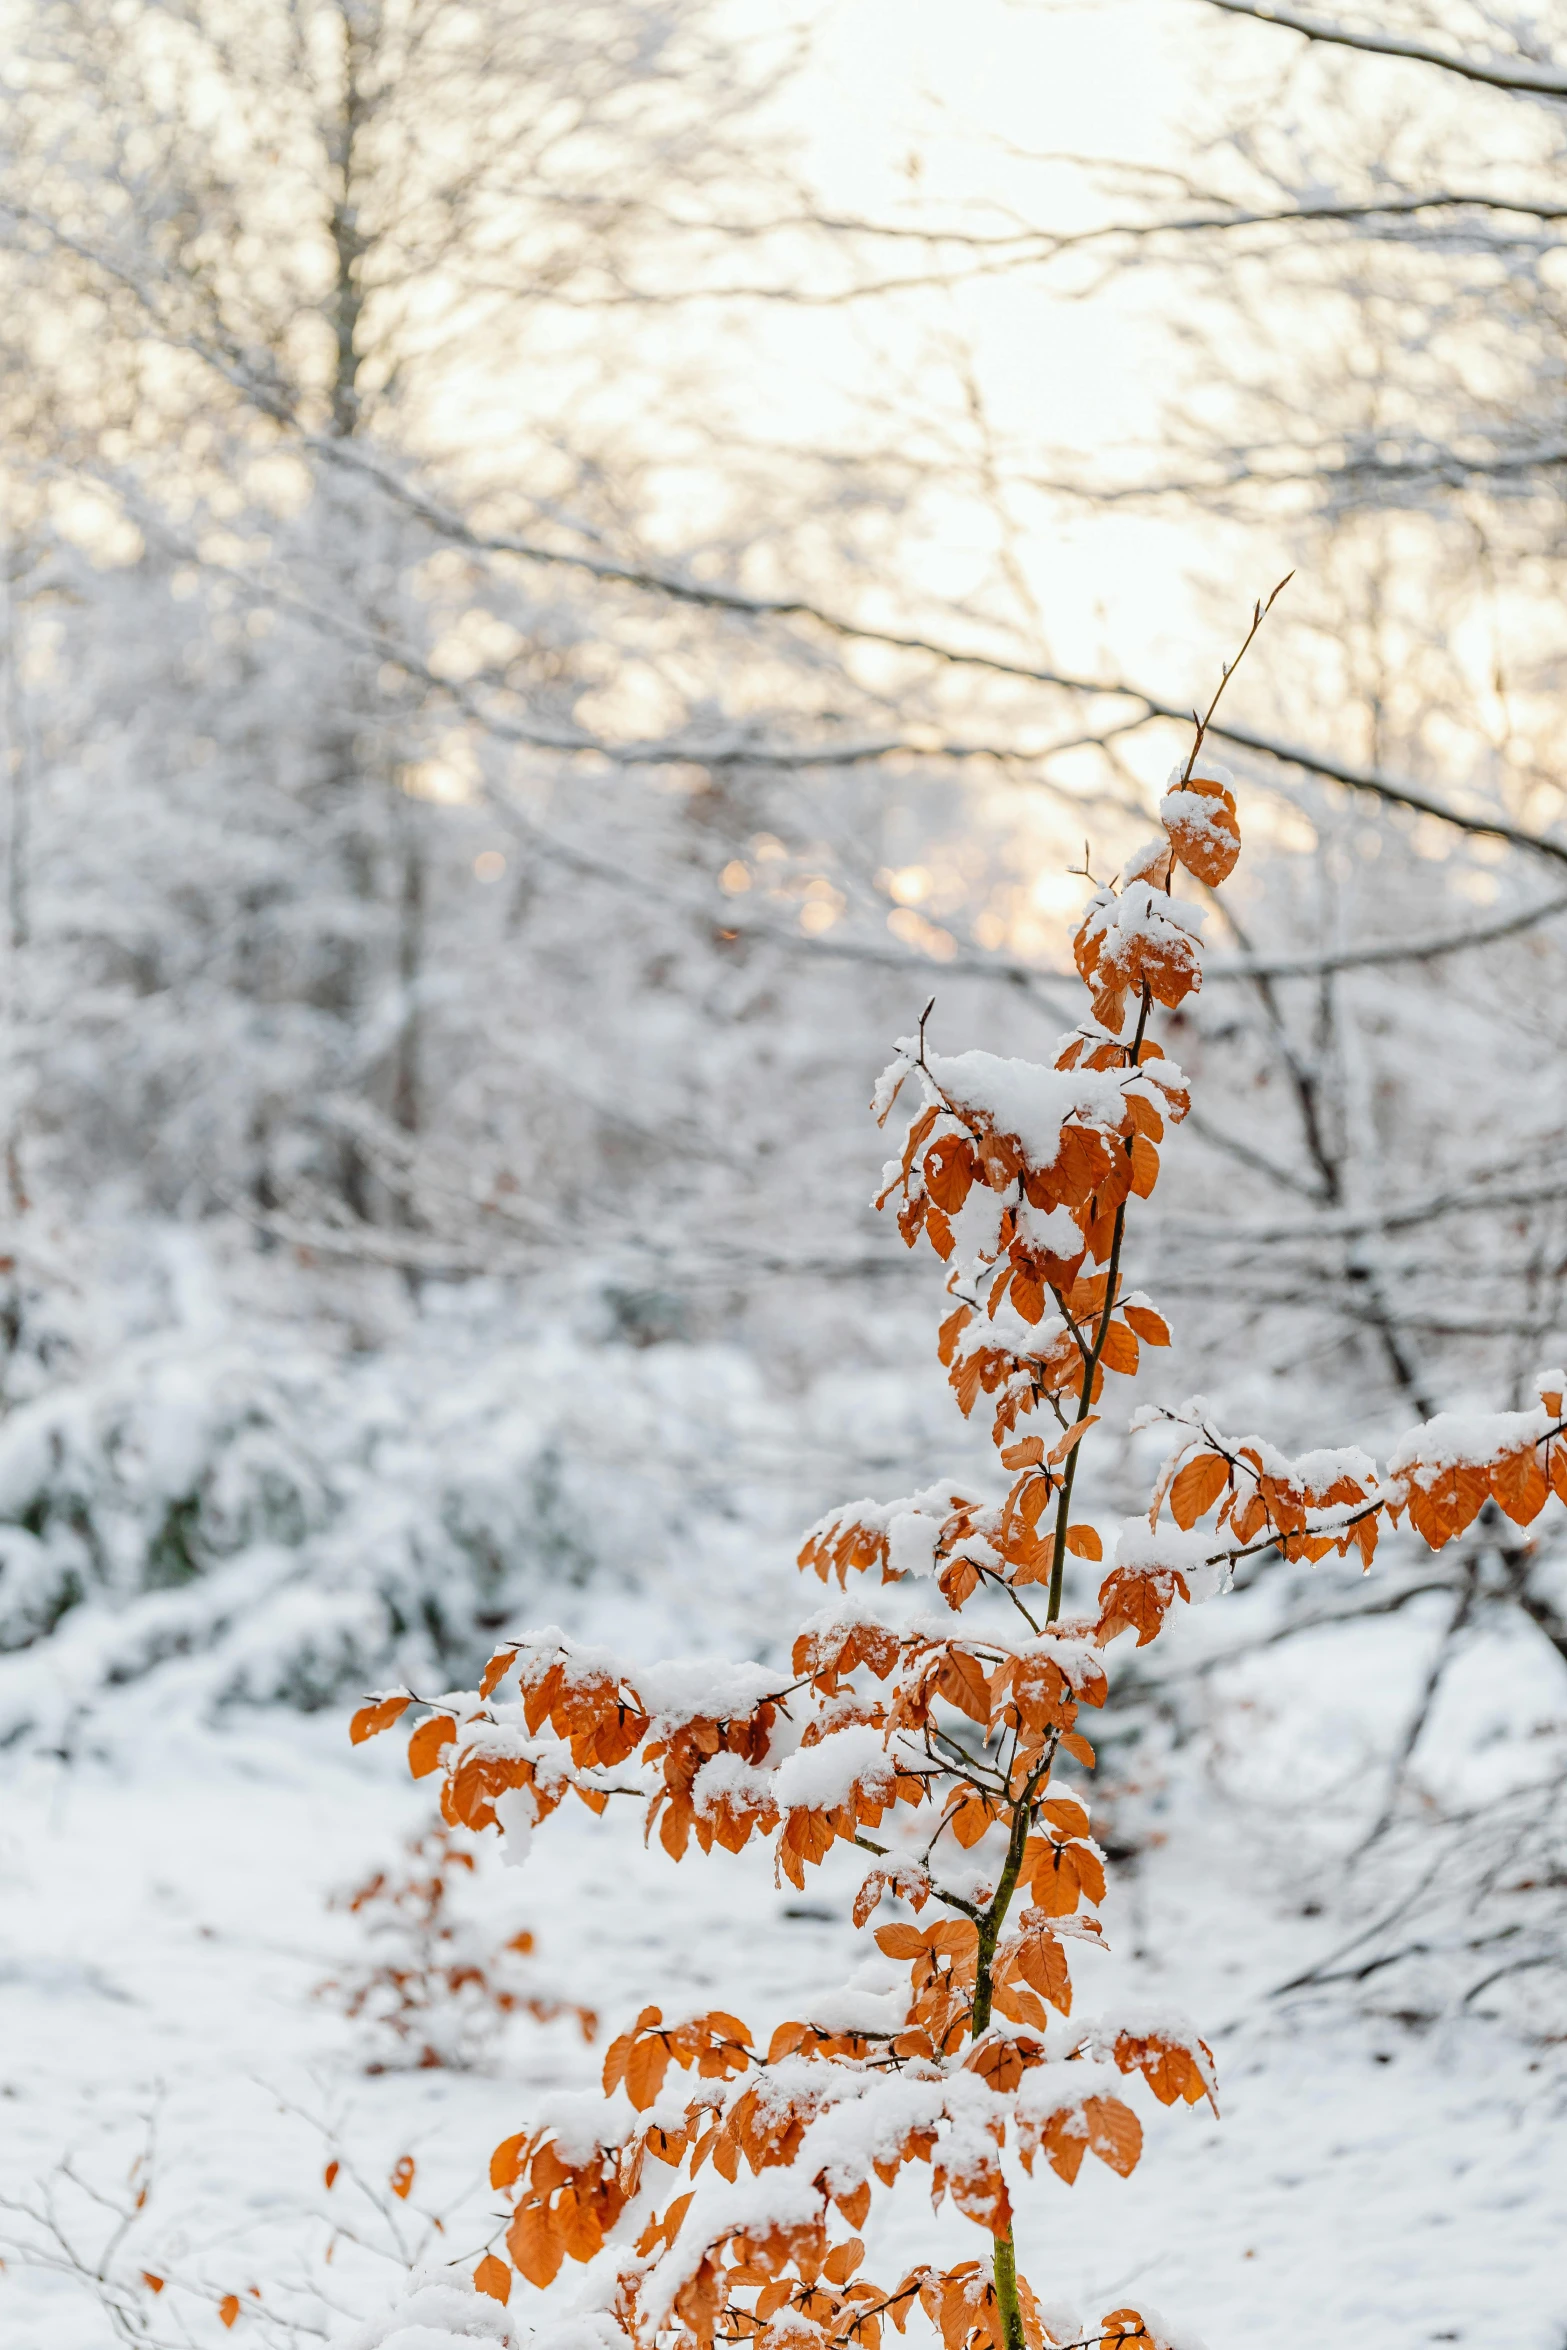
(433, 1988)
(718, 2191)
(243, 1514)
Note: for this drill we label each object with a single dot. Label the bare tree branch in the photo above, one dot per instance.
(1473, 1200)
(1415, 950)
(1498, 73)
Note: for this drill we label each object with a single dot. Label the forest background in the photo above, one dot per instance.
(564, 571)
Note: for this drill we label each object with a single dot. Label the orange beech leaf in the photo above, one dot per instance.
(910, 1883)
(1114, 2133)
(1145, 1166)
(1027, 1453)
(1039, 1959)
(468, 1793)
(662, 2232)
(726, 2033)
(950, 1332)
(1063, 1875)
(645, 2070)
(1152, 1328)
(1101, 2126)
(1556, 1468)
(492, 2276)
(579, 2227)
(971, 1816)
(1001, 2061)
(1062, 2138)
(1018, 2005)
(826, 1655)
(1084, 1543)
(1204, 829)
(1028, 1293)
(154, 2284)
(1074, 1435)
(856, 2204)
(1151, 862)
(427, 1743)
(977, 2188)
(1143, 1118)
(1443, 1505)
(402, 2178)
(496, 1671)
(377, 1716)
(843, 2260)
(964, 1683)
(331, 2171)
(1125, 2329)
(1134, 942)
(954, 1938)
(1519, 1484)
(1171, 2067)
(1137, 1599)
(228, 2308)
(958, 1582)
(1197, 1487)
(1074, 1743)
(619, 2050)
(536, 2250)
(950, 1169)
(506, 2163)
(916, 1135)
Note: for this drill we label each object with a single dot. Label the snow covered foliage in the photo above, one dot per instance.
(435, 1986)
(931, 1743)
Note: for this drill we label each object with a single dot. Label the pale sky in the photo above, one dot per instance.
(977, 90)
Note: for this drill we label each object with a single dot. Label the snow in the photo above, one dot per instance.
(1052, 1230)
(165, 1925)
(729, 1778)
(1196, 813)
(911, 1542)
(1197, 1552)
(826, 1774)
(1050, 2087)
(1465, 1439)
(435, 2314)
(672, 1689)
(517, 1813)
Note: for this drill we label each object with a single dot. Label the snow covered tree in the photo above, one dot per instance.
(265, 269)
(727, 2205)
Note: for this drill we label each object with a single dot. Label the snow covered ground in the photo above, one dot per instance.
(165, 1924)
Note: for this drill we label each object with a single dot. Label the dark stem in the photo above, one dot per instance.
(1004, 2265)
(1091, 1365)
